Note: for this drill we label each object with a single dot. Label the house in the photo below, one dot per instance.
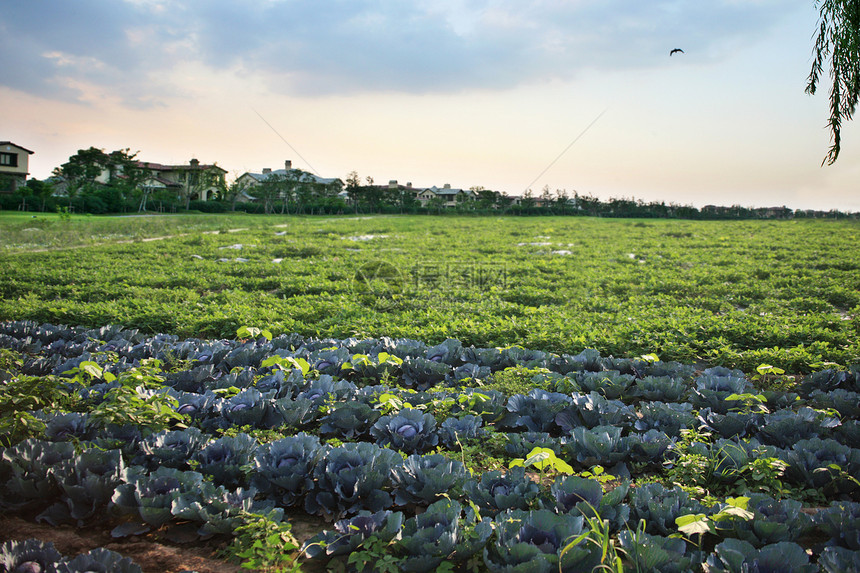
(394, 193)
(195, 181)
(318, 185)
(448, 196)
(14, 166)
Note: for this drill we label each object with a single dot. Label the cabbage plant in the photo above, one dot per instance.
(824, 381)
(659, 388)
(99, 560)
(540, 541)
(456, 432)
(197, 406)
(817, 464)
(649, 448)
(839, 560)
(657, 554)
(87, 483)
(495, 491)
(283, 467)
(713, 388)
(421, 373)
(410, 431)
(348, 534)
(30, 556)
(294, 414)
(738, 555)
(327, 388)
(658, 507)
(170, 448)
(787, 427)
(220, 511)
(730, 424)
(151, 496)
(601, 446)
(247, 408)
(591, 410)
(467, 374)
(442, 533)
(226, 459)
(845, 402)
(27, 467)
(424, 479)
(773, 521)
(534, 412)
(582, 496)
(70, 426)
(349, 420)
(610, 384)
(848, 434)
(351, 478)
(668, 418)
(519, 445)
(841, 521)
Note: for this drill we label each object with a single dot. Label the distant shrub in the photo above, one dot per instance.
(209, 206)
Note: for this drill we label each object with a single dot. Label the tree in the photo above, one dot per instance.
(41, 190)
(90, 169)
(562, 199)
(268, 190)
(486, 199)
(84, 167)
(353, 189)
(838, 39)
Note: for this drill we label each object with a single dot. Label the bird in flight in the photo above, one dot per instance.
(673, 52)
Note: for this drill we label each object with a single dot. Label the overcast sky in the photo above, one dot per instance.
(483, 92)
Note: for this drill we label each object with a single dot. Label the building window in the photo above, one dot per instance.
(9, 159)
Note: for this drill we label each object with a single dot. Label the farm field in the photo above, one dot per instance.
(39, 231)
(437, 394)
(735, 294)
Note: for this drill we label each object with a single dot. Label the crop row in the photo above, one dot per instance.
(736, 294)
(373, 435)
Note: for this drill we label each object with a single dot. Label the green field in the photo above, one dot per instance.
(736, 293)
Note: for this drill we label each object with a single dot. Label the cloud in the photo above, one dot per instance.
(313, 47)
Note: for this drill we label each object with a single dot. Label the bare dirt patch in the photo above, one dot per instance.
(152, 555)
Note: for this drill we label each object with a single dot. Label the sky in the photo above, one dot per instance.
(573, 95)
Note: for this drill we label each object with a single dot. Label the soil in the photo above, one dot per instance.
(153, 553)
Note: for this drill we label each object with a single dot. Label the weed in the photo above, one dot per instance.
(519, 380)
(265, 545)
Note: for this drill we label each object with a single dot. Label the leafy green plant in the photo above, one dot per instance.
(691, 469)
(749, 403)
(253, 332)
(389, 403)
(519, 380)
(762, 475)
(485, 455)
(140, 398)
(545, 461)
(380, 367)
(598, 473)
(375, 554)
(701, 524)
(768, 376)
(265, 545)
(22, 395)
